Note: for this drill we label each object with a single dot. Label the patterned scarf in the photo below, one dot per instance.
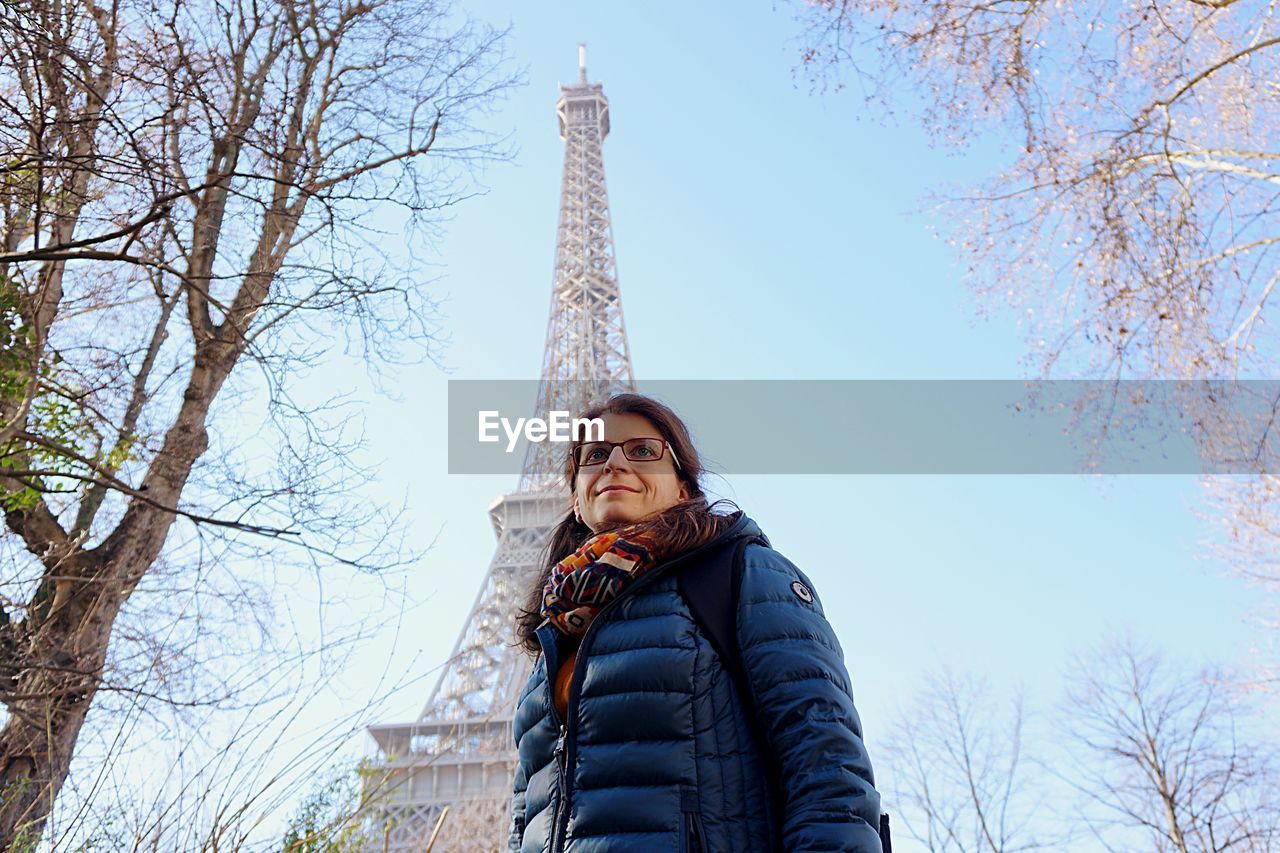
(585, 581)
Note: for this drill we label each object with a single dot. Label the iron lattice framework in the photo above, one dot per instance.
(586, 355)
(459, 753)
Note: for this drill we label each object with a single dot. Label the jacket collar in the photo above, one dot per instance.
(744, 528)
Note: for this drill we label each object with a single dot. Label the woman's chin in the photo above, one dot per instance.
(620, 516)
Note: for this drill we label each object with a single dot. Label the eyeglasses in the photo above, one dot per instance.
(635, 449)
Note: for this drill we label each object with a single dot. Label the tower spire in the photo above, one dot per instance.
(586, 356)
(459, 752)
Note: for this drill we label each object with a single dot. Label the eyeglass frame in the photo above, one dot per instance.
(666, 448)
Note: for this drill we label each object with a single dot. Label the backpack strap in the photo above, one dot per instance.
(702, 585)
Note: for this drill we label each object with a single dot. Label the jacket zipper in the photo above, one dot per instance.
(693, 840)
(562, 783)
(561, 774)
(565, 744)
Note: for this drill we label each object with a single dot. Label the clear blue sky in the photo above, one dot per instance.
(764, 231)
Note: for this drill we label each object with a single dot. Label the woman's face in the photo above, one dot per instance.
(620, 490)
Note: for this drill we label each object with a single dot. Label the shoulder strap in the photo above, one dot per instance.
(703, 585)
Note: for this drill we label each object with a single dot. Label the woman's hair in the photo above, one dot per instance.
(682, 527)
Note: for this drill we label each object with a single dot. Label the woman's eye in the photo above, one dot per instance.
(644, 450)
(594, 454)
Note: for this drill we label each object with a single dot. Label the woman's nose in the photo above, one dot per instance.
(610, 464)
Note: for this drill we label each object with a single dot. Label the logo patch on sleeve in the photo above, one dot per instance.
(802, 592)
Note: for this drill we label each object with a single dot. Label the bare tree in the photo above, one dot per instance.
(1138, 214)
(187, 188)
(1167, 756)
(1244, 512)
(1134, 226)
(1158, 758)
(960, 770)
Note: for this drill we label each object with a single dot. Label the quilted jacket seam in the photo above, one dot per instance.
(596, 655)
(791, 639)
(584, 788)
(641, 691)
(630, 740)
(577, 836)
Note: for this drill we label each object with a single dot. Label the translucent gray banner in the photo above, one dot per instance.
(912, 426)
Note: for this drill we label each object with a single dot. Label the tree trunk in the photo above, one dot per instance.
(36, 746)
(58, 667)
(54, 659)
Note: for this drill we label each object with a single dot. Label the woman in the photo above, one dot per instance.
(631, 733)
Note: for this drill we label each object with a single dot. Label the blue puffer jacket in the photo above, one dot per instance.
(656, 753)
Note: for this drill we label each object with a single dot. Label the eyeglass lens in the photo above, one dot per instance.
(635, 449)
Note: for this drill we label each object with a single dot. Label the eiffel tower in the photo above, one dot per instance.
(459, 752)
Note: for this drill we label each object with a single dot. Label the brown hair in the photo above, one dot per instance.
(682, 527)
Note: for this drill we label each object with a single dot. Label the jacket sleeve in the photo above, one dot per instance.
(516, 835)
(804, 708)
(520, 784)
